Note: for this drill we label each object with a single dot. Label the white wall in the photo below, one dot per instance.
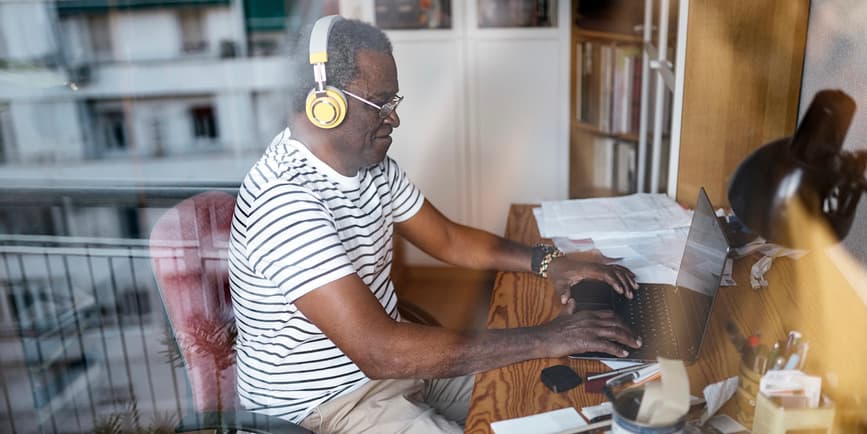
(76, 44)
(28, 38)
(271, 110)
(145, 35)
(485, 121)
(234, 115)
(47, 130)
(173, 115)
(193, 76)
(430, 143)
(519, 135)
(220, 25)
(836, 58)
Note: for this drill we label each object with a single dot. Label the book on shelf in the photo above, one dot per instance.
(608, 86)
(635, 91)
(589, 73)
(606, 70)
(627, 60)
(614, 164)
(624, 176)
(603, 162)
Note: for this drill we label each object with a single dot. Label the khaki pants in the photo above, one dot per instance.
(397, 406)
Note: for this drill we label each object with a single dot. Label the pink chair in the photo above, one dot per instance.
(188, 246)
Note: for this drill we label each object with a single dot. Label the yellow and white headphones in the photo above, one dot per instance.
(326, 105)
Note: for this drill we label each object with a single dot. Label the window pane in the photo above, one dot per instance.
(413, 14)
(517, 13)
(112, 113)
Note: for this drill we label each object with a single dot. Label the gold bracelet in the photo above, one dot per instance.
(546, 261)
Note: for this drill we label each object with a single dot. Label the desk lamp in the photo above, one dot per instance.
(806, 172)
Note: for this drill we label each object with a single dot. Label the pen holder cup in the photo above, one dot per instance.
(771, 418)
(745, 396)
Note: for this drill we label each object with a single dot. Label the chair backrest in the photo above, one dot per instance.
(189, 250)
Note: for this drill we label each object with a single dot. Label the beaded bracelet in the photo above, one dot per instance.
(542, 256)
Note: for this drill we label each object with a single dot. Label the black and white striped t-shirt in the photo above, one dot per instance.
(299, 225)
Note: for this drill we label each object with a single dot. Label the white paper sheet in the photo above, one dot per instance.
(675, 393)
(594, 411)
(552, 422)
(717, 394)
(617, 364)
(611, 217)
(726, 425)
(646, 232)
(792, 381)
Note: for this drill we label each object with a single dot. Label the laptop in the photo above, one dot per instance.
(670, 319)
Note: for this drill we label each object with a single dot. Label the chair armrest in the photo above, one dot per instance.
(238, 420)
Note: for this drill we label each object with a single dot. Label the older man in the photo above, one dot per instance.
(320, 341)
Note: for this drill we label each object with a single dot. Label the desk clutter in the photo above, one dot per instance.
(651, 398)
(774, 395)
(805, 292)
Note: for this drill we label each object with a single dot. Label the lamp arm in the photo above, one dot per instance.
(860, 157)
(860, 161)
(841, 201)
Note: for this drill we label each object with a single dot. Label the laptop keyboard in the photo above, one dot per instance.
(649, 309)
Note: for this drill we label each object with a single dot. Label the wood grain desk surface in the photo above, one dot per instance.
(827, 318)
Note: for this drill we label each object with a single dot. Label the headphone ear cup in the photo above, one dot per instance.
(326, 111)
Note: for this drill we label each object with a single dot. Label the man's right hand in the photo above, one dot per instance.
(588, 331)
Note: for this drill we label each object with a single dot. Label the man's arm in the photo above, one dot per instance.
(348, 313)
(469, 247)
(461, 245)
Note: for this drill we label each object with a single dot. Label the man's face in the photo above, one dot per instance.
(364, 137)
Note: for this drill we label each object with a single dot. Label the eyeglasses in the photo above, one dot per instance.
(384, 110)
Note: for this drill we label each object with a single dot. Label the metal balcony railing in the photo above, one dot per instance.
(84, 341)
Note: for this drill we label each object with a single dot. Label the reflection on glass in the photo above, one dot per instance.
(516, 13)
(413, 14)
(112, 112)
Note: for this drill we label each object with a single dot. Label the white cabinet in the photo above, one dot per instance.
(485, 121)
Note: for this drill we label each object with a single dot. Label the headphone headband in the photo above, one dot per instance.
(319, 38)
(326, 105)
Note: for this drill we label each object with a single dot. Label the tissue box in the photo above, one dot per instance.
(771, 418)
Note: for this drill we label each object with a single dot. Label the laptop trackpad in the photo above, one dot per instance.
(593, 295)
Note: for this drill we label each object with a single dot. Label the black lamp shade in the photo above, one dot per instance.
(805, 172)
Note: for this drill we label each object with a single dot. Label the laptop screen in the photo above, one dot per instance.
(706, 249)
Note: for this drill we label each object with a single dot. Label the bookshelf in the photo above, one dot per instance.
(728, 75)
(606, 82)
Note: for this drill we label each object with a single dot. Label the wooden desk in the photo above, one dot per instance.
(522, 299)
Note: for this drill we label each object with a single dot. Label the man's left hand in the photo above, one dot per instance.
(570, 269)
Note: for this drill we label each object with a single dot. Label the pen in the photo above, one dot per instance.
(772, 356)
(802, 354)
(601, 418)
(792, 363)
(792, 342)
(617, 371)
(779, 363)
(760, 362)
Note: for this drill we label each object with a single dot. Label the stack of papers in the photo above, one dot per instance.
(646, 231)
(612, 217)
